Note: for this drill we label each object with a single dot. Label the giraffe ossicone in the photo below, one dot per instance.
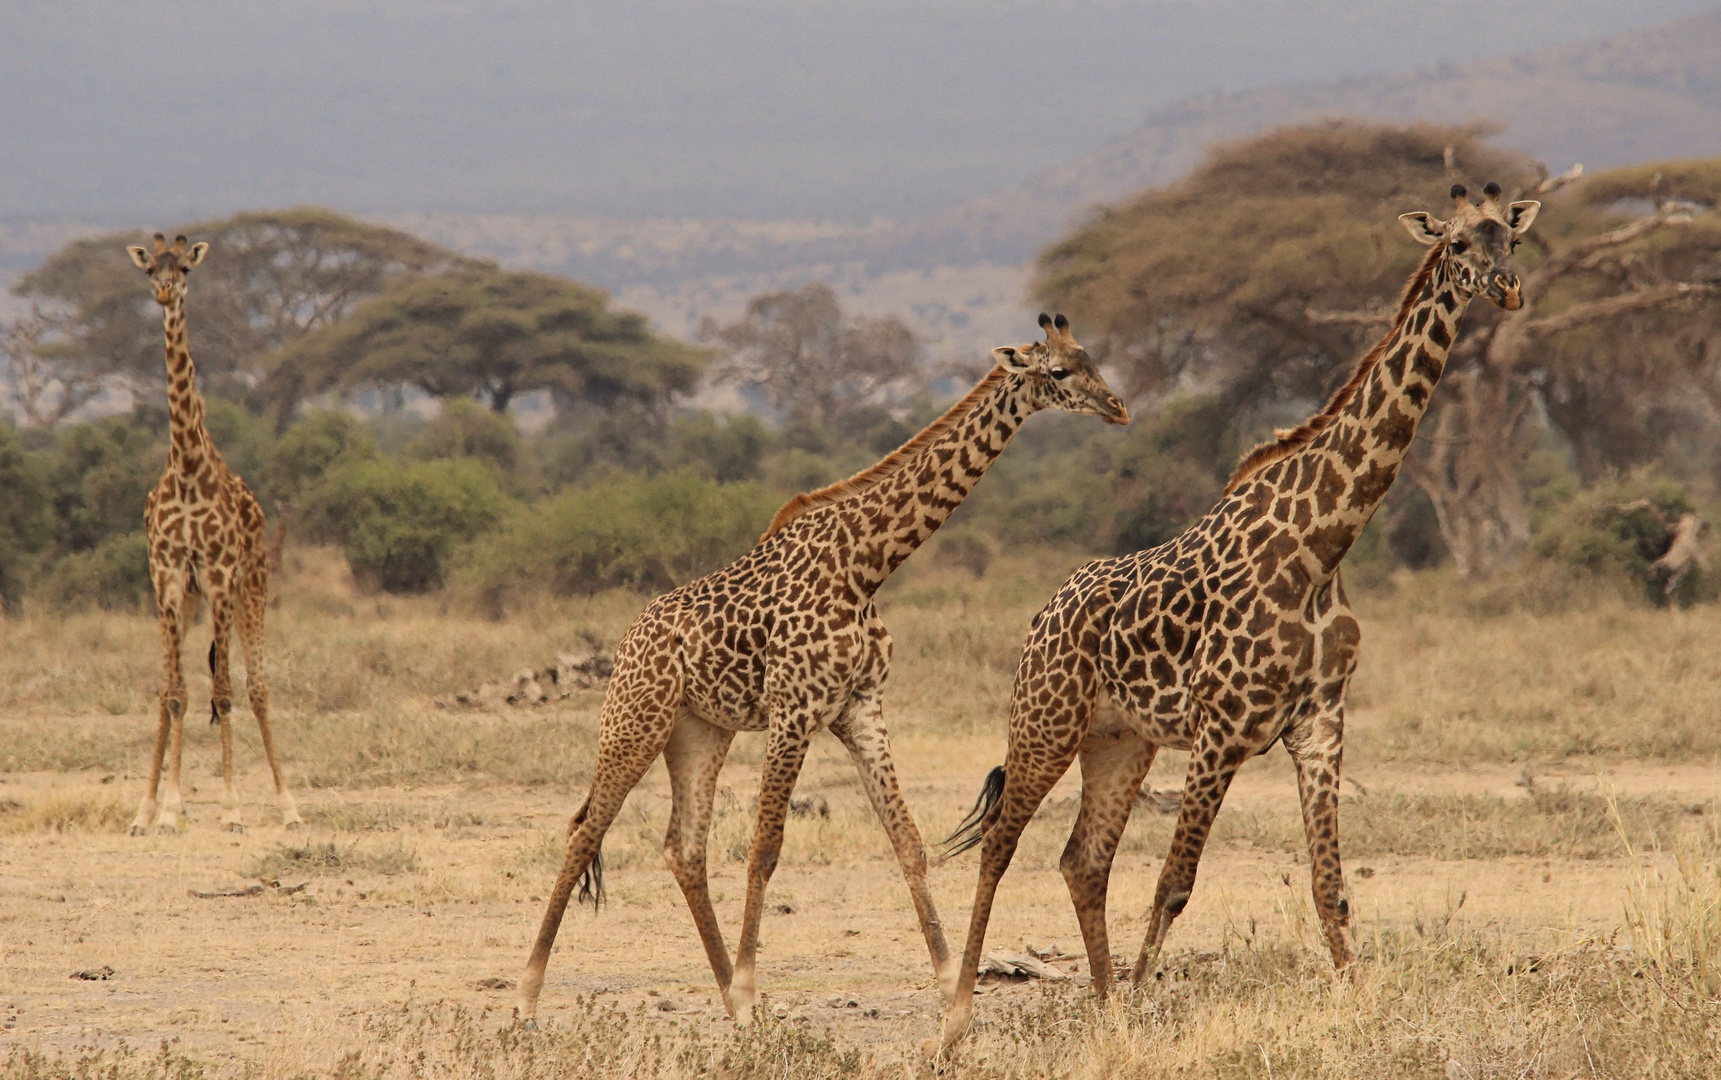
(785, 641)
(1232, 636)
(205, 533)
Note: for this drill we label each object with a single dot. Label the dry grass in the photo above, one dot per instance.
(1544, 930)
(60, 810)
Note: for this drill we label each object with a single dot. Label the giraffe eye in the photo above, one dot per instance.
(1060, 373)
(1459, 247)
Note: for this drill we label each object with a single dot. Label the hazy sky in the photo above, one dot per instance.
(162, 110)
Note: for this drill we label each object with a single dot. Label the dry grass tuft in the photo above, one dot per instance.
(61, 810)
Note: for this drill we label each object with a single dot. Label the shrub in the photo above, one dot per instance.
(1617, 530)
(466, 429)
(645, 533)
(397, 523)
(25, 522)
(114, 576)
(309, 450)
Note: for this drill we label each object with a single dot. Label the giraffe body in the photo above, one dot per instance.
(205, 532)
(786, 640)
(1232, 636)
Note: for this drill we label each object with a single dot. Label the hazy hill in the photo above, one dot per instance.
(959, 273)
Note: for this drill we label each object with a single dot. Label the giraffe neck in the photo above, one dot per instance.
(904, 510)
(1344, 473)
(189, 443)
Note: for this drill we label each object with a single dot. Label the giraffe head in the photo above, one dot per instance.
(1478, 242)
(167, 267)
(1061, 375)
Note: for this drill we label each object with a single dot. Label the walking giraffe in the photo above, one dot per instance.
(786, 640)
(205, 533)
(1234, 635)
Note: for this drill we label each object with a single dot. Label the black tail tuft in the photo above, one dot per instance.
(214, 713)
(972, 828)
(592, 881)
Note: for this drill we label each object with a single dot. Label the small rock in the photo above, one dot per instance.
(665, 1005)
(780, 1011)
(783, 909)
(494, 983)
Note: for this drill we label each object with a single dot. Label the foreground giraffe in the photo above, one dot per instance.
(786, 640)
(1234, 635)
(205, 533)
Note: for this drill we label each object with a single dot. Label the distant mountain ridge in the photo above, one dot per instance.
(961, 275)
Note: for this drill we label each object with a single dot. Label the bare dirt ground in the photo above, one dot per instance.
(432, 893)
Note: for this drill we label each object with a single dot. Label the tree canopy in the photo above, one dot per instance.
(812, 361)
(1259, 278)
(480, 331)
(270, 278)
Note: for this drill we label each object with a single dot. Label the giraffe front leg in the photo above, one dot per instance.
(784, 752)
(694, 758)
(175, 700)
(1317, 749)
(1212, 765)
(1113, 765)
(221, 704)
(863, 733)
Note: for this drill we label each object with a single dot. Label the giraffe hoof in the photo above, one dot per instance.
(293, 824)
(233, 826)
(528, 1024)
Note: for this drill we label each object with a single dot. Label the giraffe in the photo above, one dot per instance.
(786, 640)
(1232, 636)
(206, 539)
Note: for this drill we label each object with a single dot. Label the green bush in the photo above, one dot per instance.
(398, 524)
(1616, 530)
(308, 450)
(466, 429)
(26, 524)
(649, 533)
(113, 576)
(99, 476)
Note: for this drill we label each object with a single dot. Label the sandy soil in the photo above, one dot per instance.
(276, 970)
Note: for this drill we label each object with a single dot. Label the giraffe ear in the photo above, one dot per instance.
(196, 254)
(139, 256)
(1011, 358)
(1520, 214)
(1424, 228)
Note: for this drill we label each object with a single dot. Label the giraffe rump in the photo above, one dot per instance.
(972, 829)
(1288, 441)
(890, 464)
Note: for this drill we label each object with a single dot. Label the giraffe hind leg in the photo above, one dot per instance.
(1113, 767)
(254, 595)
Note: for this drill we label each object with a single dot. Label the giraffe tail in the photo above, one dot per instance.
(592, 880)
(972, 829)
(214, 712)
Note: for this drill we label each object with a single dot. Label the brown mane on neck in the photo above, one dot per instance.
(870, 477)
(1289, 441)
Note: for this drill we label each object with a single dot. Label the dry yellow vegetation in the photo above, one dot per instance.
(1531, 837)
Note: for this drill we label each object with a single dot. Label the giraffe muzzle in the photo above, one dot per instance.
(1112, 411)
(1504, 290)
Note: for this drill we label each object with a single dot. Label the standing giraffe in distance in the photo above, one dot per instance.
(786, 640)
(205, 533)
(1234, 635)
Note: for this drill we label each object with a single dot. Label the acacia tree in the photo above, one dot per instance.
(45, 385)
(479, 331)
(1612, 347)
(813, 362)
(1259, 278)
(270, 278)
